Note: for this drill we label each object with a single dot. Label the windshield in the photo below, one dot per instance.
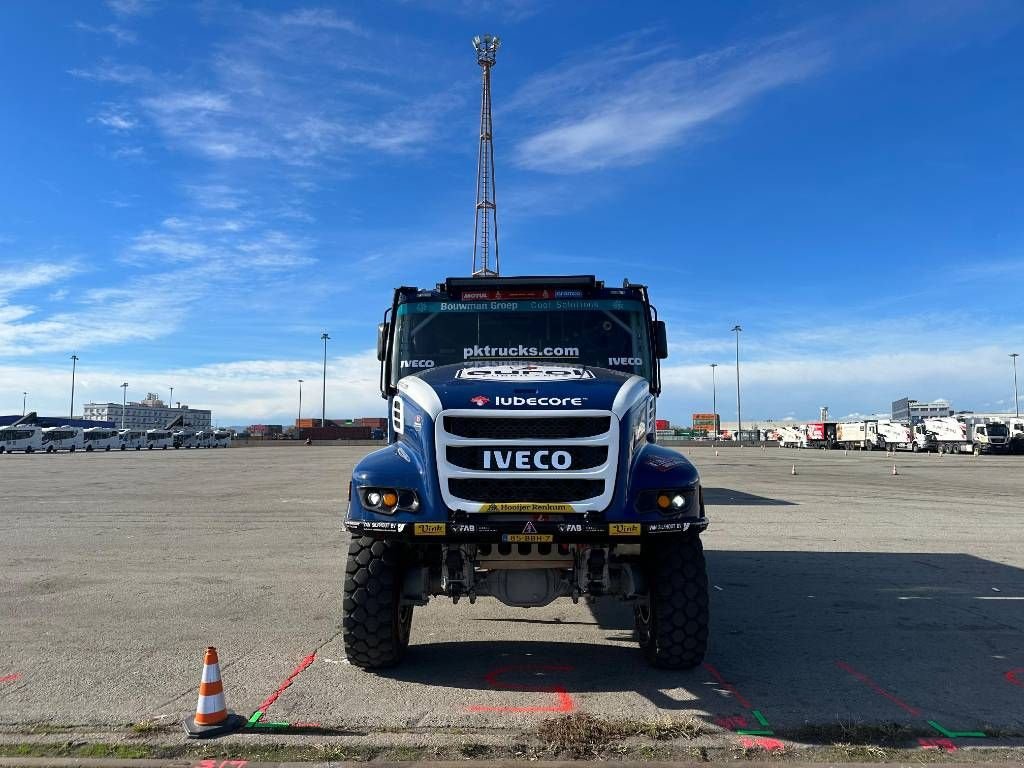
(997, 430)
(604, 333)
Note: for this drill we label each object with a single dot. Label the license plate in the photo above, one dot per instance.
(528, 538)
(624, 529)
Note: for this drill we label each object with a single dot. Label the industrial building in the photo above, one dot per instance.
(909, 411)
(148, 414)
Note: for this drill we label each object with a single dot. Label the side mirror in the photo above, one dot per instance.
(382, 340)
(660, 340)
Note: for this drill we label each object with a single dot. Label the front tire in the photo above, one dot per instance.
(375, 624)
(673, 625)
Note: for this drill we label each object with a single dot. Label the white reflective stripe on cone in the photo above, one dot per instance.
(209, 704)
(210, 673)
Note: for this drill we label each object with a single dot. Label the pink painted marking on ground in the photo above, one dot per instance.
(728, 686)
(944, 744)
(1012, 677)
(267, 702)
(10, 678)
(565, 701)
(878, 689)
(762, 742)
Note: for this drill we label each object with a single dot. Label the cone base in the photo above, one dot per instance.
(231, 724)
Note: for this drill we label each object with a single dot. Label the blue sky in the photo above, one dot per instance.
(196, 190)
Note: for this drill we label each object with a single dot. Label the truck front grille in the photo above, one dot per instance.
(527, 457)
(526, 429)
(526, 489)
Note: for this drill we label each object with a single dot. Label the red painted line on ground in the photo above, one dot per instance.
(565, 701)
(10, 678)
(1011, 677)
(732, 723)
(298, 671)
(878, 689)
(762, 742)
(728, 686)
(944, 744)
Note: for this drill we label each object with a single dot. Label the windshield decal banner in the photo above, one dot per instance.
(525, 373)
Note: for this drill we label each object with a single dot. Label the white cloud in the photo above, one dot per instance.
(131, 7)
(109, 72)
(321, 18)
(615, 113)
(22, 278)
(121, 35)
(239, 392)
(116, 118)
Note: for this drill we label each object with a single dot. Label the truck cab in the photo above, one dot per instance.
(522, 465)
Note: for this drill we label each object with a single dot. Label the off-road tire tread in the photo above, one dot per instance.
(678, 631)
(370, 618)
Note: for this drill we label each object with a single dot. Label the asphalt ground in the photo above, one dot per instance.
(841, 595)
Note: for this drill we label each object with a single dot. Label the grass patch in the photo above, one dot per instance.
(76, 749)
(879, 735)
(585, 736)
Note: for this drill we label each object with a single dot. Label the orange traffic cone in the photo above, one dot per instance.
(212, 717)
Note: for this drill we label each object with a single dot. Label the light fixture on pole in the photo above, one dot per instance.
(714, 399)
(124, 401)
(739, 413)
(74, 364)
(1016, 397)
(323, 413)
(298, 421)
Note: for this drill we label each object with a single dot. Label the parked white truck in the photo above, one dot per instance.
(968, 434)
(860, 435)
(791, 437)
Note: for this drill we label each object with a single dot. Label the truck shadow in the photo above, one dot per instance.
(811, 640)
(730, 497)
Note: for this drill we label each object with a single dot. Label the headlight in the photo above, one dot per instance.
(669, 501)
(389, 500)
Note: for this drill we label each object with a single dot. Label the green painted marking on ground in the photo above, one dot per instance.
(957, 734)
(254, 718)
(761, 718)
(746, 732)
(271, 725)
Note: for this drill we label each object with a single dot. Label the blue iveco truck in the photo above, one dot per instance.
(522, 465)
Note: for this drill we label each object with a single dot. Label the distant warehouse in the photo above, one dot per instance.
(909, 411)
(148, 414)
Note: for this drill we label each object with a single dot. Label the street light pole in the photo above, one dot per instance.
(298, 421)
(1016, 397)
(74, 364)
(714, 399)
(323, 413)
(739, 413)
(170, 403)
(24, 397)
(124, 401)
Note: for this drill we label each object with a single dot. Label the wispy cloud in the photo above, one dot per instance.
(15, 279)
(132, 7)
(120, 35)
(622, 108)
(321, 18)
(109, 72)
(117, 118)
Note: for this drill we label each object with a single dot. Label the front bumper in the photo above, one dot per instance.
(479, 530)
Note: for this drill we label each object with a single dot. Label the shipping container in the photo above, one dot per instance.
(661, 424)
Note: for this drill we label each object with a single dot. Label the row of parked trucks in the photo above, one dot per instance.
(946, 434)
(31, 438)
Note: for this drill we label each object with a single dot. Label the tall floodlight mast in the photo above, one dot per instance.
(486, 206)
